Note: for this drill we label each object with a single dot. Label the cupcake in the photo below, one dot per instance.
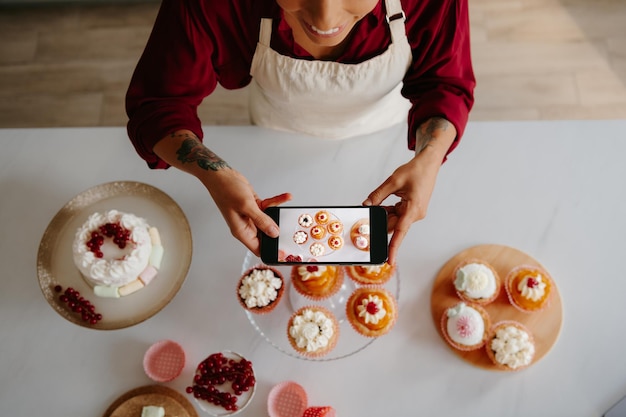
(318, 232)
(510, 346)
(317, 282)
(300, 237)
(335, 227)
(370, 274)
(305, 220)
(335, 242)
(313, 331)
(360, 234)
(529, 288)
(317, 249)
(260, 289)
(476, 281)
(322, 217)
(371, 311)
(465, 326)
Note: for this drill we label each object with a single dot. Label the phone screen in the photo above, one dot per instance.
(330, 235)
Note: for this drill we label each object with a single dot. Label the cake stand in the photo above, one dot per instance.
(273, 326)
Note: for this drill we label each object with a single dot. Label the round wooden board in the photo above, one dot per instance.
(544, 325)
(132, 402)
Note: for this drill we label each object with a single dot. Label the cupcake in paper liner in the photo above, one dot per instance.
(313, 331)
(370, 274)
(465, 326)
(372, 311)
(510, 346)
(529, 288)
(260, 289)
(317, 282)
(476, 281)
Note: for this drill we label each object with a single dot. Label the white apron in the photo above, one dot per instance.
(330, 99)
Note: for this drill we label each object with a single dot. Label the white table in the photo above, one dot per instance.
(554, 190)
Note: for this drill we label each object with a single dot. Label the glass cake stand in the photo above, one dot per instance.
(273, 326)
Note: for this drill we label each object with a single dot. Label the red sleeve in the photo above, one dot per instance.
(193, 46)
(440, 81)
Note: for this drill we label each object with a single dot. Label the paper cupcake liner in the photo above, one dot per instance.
(458, 346)
(362, 280)
(302, 290)
(287, 398)
(481, 301)
(511, 292)
(332, 343)
(361, 328)
(272, 305)
(490, 352)
(164, 361)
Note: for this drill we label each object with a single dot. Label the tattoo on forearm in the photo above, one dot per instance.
(426, 132)
(192, 150)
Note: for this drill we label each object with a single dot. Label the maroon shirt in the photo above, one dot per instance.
(196, 44)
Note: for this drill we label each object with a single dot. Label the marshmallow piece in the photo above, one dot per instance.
(156, 256)
(148, 274)
(152, 411)
(131, 287)
(155, 237)
(106, 292)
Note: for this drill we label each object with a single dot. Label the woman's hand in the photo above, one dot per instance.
(414, 181)
(242, 208)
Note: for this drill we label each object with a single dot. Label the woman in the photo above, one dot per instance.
(329, 68)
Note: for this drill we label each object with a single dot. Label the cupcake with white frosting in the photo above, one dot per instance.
(465, 326)
(313, 331)
(260, 289)
(476, 281)
(510, 346)
(529, 288)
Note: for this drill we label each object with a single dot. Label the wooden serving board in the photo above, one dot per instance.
(544, 325)
(132, 402)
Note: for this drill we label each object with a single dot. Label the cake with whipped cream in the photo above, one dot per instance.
(317, 282)
(117, 253)
(510, 346)
(476, 281)
(371, 274)
(313, 331)
(371, 311)
(529, 288)
(260, 289)
(465, 326)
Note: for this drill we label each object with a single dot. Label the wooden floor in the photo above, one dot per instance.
(69, 65)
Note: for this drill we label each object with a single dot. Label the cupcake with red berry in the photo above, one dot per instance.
(260, 289)
(318, 232)
(335, 242)
(465, 326)
(335, 227)
(371, 311)
(529, 288)
(322, 217)
(370, 274)
(313, 331)
(317, 282)
(510, 346)
(476, 281)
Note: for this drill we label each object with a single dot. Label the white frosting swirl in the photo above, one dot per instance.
(512, 347)
(317, 249)
(300, 237)
(476, 281)
(364, 229)
(465, 325)
(312, 330)
(532, 290)
(361, 242)
(259, 288)
(365, 309)
(372, 269)
(118, 269)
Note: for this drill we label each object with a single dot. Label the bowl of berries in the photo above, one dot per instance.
(223, 384)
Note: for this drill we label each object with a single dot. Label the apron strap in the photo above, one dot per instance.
(265, 33)
(395, 19)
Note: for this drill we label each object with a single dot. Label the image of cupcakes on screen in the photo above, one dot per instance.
(260, 289)
(476, 281)
(360, 234)
(529, 288)
(465, 326)
(371, 311)
(510, 346)
(313, 331)
(317, 282)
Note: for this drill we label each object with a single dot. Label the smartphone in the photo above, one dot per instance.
(618, 410)
(342, 235)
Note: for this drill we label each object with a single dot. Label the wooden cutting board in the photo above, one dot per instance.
(545, 325)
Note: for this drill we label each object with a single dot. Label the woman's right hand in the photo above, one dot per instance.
(242, 208)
